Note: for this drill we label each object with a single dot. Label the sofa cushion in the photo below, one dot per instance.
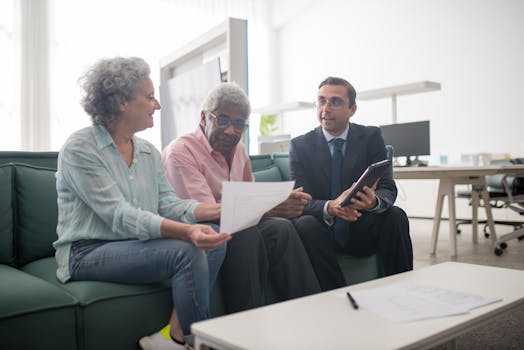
(88, 292)
(282, 161)
(269, 174)
(23, 293)
(359, 269)
(260, 161)
(33, 309)
(114, 316)
(36, 212)
(6, 215)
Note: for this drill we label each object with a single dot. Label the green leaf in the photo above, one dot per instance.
(267, 124)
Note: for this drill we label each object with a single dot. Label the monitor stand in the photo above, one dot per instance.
(415, 162)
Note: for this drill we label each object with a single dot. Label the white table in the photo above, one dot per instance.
(327, 320)
(448, 177)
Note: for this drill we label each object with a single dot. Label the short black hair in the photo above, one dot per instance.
(352, 94)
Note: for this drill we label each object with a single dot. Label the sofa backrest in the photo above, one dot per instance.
(6, 215)
(36, 212)
(281, 160)
(28, 208)
(28, 213)
(260, 161)
(43, 159)
(275, 167)
(270, 167)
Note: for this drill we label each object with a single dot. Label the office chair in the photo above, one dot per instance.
(504, 192)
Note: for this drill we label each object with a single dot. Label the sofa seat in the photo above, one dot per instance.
(109, 310)
(359, 269)
(34, 311)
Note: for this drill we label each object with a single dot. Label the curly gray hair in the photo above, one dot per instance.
(107, 81)
(227, 92)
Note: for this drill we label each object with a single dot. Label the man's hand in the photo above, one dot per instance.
(204, 237)
(292, 206)
(365, 199)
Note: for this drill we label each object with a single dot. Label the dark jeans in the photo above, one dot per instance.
(386, 234)
(272, 251)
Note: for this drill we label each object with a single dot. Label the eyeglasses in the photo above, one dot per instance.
(334, 102)
(223, 121)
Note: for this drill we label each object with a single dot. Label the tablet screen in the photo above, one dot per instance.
(374, 172)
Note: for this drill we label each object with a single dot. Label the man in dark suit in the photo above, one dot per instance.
(328, 160)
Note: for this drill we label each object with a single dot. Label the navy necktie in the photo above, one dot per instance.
(341, 226)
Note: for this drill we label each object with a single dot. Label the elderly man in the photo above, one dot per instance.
(198, 163)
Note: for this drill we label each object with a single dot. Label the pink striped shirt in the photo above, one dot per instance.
(196, 170)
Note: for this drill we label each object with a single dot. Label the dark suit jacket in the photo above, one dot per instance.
(310, 165)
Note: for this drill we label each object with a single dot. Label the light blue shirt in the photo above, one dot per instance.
(101, 197)
(330, 138)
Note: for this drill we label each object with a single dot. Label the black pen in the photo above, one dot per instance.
(353, 302)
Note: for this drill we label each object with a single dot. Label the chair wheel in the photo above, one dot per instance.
(503, 245)
(498, 251)
(486, 233)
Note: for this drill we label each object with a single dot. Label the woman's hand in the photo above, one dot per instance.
(204, 237)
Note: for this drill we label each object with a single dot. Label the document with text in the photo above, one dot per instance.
(404, 302)
(244, 203)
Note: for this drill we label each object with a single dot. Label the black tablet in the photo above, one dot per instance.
(374, 172)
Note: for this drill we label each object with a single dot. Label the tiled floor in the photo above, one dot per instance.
(481, 253)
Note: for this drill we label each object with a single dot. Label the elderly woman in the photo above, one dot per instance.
(119, 219)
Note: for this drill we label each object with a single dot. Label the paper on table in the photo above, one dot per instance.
(244, 203)
(404, 302)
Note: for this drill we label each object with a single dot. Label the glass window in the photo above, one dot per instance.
(10, 72)
(81, 32)
(85, 31)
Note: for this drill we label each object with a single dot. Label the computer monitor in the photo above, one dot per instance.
(408, 140)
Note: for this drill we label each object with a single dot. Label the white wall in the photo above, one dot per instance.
(474, 48)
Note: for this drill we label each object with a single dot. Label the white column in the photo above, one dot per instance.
(34, 109)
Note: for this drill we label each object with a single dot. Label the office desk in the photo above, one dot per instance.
(448, 177)
(327, 320)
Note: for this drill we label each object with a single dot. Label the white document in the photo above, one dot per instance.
(244, 203)
(404, 302)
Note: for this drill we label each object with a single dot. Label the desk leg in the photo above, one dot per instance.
(438, 216)
(450, 191)
(475, 201)
(446, 187)
(489, 215)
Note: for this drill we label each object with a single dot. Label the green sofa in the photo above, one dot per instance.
(39, 312)
(36, 310)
